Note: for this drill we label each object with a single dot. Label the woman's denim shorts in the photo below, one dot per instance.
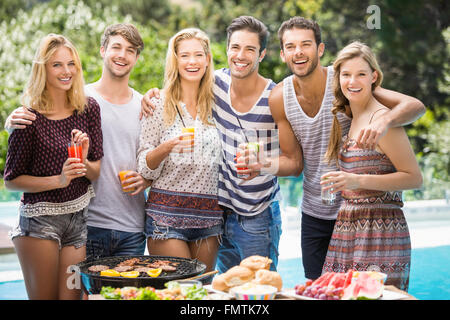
(161, 232)
(67, 229)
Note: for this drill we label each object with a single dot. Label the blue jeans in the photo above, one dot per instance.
(106, 242)
(159, 232)
(246, 236)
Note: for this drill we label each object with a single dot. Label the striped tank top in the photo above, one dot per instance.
(313, 135)
(245, 197)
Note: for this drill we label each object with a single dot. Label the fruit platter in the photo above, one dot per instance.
(352, 285)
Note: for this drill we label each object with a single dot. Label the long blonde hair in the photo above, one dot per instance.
(341, 103)
(36, 94)
(172, 82)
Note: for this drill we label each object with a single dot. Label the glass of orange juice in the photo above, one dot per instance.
(189, 130)
(122, 175)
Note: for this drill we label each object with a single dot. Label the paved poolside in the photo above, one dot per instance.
(6, 246)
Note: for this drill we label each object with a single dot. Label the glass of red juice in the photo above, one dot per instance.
(75, 150)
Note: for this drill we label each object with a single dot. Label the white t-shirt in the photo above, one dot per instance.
(112, 208)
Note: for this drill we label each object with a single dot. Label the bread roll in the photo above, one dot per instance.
(238, 275)
(268, 277)
(255, 263)
(218, 283)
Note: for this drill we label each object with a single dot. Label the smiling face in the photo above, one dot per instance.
(119, 56)
(300, 51)
(356, 79)
(243, 53)
(192, 60)
(61, 70)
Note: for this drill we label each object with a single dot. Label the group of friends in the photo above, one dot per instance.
(335, 124)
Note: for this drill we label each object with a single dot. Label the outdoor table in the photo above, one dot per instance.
(283, 297)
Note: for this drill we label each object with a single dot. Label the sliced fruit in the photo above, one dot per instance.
(319, 279)
(130, 274)
(154, 272)
(327, 279)
(253, 146)
(364, 287)
(337, 280)
(348, 278)
(110, 273)
(323, 278)
(370, 288)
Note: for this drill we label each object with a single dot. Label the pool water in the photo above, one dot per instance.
(429, 278)
(13, 290)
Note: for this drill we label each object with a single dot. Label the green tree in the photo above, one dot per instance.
(412, 45)
(84, 26)
(20, 36)
(144, 12)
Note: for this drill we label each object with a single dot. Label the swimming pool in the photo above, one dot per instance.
(430, 256)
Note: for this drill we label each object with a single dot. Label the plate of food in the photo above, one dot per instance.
(352, 285)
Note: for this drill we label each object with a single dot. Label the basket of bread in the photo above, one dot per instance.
(250, 280)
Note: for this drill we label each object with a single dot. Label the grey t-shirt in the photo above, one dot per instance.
(111, 208)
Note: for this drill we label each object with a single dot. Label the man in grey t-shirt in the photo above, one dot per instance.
(115, 218)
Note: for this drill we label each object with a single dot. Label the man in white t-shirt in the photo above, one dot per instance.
(115, 219)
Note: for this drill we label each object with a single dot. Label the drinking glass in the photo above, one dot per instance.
(75, 150)
(328, 198)
(189, 130)
(122, 175)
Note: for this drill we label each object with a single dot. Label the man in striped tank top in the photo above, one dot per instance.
(301, 107)
(241, 112)
(252, 213)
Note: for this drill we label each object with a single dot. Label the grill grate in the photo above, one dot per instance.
(93, 282)
(183, 267)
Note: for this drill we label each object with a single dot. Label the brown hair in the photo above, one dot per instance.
(250, 24)
(299, 23)
(340, 103)
(126, 30)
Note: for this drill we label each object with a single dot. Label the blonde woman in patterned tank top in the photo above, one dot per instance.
(370, 232)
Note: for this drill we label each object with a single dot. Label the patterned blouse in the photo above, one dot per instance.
(184, 189)
(41, 149)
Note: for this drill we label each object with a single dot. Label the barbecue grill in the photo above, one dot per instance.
(93, 281)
